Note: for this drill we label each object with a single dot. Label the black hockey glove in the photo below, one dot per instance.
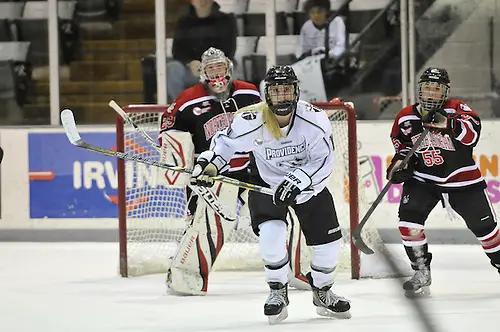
(396, 173)
(439, 119)
(290, 187)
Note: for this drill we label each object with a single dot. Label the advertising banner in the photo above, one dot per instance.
(69, 182)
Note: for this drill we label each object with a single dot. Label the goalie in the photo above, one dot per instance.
(187, 128)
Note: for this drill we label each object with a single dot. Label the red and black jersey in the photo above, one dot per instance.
(445, 156)
(198, 112)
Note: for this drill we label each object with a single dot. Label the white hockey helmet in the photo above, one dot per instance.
(216, 70)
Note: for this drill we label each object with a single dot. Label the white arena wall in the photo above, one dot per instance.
(52, 191)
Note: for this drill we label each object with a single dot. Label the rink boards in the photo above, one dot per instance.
(48, 185)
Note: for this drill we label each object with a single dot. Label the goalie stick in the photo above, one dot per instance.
(69, 124)
(203, 192)
(356, 235)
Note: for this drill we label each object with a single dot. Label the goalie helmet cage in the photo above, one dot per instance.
(130, 199)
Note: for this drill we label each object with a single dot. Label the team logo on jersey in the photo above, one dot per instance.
(406, 128)
(199, 111)
(217, 123)
(171, 108)
(434, 140)
(285, 151)
(258, 141)
(465, 108)
(405, 199)
(249, 115)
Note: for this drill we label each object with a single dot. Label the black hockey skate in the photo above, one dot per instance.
(276, 304)
(329, 304)
(418, 285)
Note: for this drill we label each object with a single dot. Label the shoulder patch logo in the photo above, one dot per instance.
(465, 108)
(171, 108)
(249, 115)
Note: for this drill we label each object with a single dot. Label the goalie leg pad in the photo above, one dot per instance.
(200, 246)
(272, 241)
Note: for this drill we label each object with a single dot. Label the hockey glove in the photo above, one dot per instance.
(290, 187)
(205, 168)
(439, 119)
(398, 174)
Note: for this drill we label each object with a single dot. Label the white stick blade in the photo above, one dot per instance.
(68, 121)
(117, 109)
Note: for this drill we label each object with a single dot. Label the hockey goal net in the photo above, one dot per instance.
(152, 215)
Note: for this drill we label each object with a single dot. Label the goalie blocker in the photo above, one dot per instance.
(207, 231)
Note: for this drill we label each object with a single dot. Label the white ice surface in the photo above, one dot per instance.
(74, 287)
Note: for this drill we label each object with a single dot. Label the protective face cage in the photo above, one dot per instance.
(216, 70)
(432, 95)
(282, 98)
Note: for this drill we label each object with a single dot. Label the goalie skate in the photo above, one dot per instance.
(329, 304)
(418, 285)
(276, 304)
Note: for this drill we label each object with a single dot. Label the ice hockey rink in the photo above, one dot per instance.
(73, 287)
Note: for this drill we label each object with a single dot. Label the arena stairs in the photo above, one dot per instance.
(108, 66)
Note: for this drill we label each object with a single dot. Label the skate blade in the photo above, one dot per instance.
(275, 319)
(421, 292)
(332, 314)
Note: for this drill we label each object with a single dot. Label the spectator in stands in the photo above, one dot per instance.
(204, 26)
(312, 33)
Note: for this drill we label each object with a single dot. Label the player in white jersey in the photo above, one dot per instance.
(292, 144)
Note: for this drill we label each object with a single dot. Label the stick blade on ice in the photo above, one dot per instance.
(69, 124)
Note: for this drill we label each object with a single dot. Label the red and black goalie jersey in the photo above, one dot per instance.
(199, 113)
(445, 157)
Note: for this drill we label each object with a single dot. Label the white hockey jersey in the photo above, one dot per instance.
(308, 145)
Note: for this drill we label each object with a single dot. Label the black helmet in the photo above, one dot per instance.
(437, 77)
(281, 75)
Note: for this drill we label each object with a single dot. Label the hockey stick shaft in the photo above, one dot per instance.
(356, 235)
(68, 121)
(205, 193)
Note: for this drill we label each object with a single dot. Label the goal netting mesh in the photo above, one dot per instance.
(154, 214)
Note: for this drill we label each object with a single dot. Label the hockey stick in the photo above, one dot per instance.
(1, 155)
(68, 121)
(356, 235)
(203, 192)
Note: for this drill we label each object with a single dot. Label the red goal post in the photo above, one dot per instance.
(151, 215)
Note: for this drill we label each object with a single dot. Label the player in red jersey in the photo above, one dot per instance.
(442, 170)
(187, 128)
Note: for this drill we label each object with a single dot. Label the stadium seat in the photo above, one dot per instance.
(254, 19)
(255, 66)
(9, 11)
(33, 27)
(98, 10)
(244, 45)
(236, 7)
(16, 71)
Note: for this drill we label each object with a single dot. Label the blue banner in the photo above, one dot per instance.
(70, 182)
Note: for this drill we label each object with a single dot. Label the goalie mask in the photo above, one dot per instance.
(216, 72)
(433, 89)
(281, 90)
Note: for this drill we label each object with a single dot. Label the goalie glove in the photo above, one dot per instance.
(439, 119)
(398, 174)
(290, 187)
